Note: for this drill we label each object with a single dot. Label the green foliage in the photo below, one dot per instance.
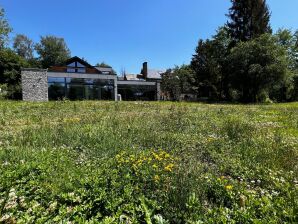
(23, 46)
(52, 51)
(3, 91)
(10, 72)
(256, 66)
(177, 81)
(121, 162)
(209, 64)
(103, 65)
(5, 29)
(248, 19)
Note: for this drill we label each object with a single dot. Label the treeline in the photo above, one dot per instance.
(24, 53)
(243, 62)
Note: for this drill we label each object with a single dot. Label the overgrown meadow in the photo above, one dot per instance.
(139, 162)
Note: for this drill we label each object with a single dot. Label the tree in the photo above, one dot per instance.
(52, 51)
(248, 19)
(208, 62)
(288, 90)
(23, 46)
(10, 72)
(256, 66)
(5, 29)
(177, 81)
(103, 65)
(289, 41)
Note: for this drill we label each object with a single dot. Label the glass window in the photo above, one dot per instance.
(72, 65)
(56, 80)
(80, 65)
(71, 70)
(56, 91)
(81, 70)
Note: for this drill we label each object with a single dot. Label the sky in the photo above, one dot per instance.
(125, 33)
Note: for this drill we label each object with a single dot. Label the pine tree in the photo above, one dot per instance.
(248, 19)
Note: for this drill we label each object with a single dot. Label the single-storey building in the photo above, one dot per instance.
(78, 80)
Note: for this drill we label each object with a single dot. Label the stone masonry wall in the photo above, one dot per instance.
(35, 85)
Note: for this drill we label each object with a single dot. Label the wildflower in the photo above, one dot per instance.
(229, 187)
(10, 205)
(5, 218)
(156, 178)
(52, 206)
(157, 157)
(167, 155)
(154, 166)
(169, 167)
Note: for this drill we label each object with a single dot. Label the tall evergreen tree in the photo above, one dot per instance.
(248, 19)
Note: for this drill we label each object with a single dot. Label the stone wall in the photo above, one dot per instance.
(35, 85)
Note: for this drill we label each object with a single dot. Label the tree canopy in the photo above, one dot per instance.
(23, 46)
(5, 29)
(256, 66)
(103, 65)
(10, 72)
(52, 51)
(248, 19)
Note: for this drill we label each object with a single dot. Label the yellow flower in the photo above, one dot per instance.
(157, 157)
(156, 178)
(155, 166)
(229, 187)
(169, 167)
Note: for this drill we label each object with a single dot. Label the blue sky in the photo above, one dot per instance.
(125, 33)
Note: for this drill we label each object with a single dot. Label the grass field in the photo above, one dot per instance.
(139, 162)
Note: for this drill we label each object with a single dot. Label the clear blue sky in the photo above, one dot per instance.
(125, 33)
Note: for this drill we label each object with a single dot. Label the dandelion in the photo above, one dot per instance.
(229, 187)
(156, 178)
(157, 157)
(169, 167)
(167, 155)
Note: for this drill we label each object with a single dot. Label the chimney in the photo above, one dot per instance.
(145, 70)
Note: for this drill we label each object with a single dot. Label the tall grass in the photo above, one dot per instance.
(233, 163)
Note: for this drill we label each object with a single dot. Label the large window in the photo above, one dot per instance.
(80, 89)
(137, 92)
(76, 67)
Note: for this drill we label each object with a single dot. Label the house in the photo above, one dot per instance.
(78, 80)
(143, 86)
(151, 74)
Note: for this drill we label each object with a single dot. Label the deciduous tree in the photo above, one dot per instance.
(256, 66)
(52, 51)
(5, 29)
(23, 46)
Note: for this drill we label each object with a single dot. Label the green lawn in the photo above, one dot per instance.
(140, 162)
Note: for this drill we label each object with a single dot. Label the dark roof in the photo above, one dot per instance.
(155, 73)
(104, 69)
(75, 58)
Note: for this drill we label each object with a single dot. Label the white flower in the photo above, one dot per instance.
(4, 218)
